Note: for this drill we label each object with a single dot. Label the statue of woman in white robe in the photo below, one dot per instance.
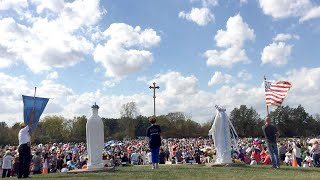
(220, 132)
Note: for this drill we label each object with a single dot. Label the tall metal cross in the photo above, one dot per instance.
(154, 87)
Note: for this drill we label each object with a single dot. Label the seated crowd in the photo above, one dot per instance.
(63, 157)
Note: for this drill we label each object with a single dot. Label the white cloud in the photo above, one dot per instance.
(176, 84)
(236, 33)
(118, 54)
(80, 13)
(13, 87)
(284, 8)
(6, 58)
(219, 78)
(47, 43)
(110, 106)
(226, 58)
(200, 16)
(311, 14)
(52, 5)
(111, 82)
(9, 86)
(244, 75)
(13, 4)
(44, 45)
(304, 9)
(243, 2)
(177, 93)
(208, 3)
(58, 94)
(285, 37)
(53, 90)
(276, 53)
(181, 93)
(305, 84)
(142, 79)
(53, 75)
(233, 38)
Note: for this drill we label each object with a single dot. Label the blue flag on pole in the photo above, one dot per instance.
(39, 105)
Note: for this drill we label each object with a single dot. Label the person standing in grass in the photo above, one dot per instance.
(6, 164)
(24, 147)
(153, 133)
(270, 133)
(315, 150)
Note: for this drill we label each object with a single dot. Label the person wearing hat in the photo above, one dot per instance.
(153, 133)
(24, 147)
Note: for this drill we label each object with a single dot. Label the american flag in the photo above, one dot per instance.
(276, 92)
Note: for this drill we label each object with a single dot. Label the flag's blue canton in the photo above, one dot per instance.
(267, 86)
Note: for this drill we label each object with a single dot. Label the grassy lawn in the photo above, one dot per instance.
(193, 172)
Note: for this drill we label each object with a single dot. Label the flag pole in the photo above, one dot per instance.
(34, 97)
(34, 103)
(265, 79)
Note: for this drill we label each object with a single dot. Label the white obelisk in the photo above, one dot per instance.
(95, 139)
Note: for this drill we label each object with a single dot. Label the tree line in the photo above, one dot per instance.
(247, 122)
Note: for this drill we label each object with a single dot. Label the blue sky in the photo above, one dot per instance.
(200, 52)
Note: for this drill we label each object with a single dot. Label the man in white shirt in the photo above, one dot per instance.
(24, 148)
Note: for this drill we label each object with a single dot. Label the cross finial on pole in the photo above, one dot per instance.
(154, 87)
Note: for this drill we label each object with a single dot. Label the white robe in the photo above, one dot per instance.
(220, 132)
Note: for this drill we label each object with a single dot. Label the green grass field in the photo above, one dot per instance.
(193, 172)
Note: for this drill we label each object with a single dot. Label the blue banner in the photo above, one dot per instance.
(28, 103)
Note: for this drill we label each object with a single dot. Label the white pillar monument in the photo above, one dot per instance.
(95, 139)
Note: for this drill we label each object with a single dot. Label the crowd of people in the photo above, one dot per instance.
(61, 157)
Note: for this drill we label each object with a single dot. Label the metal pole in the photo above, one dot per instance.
(34, 96)
(154, 102)
(154, 87)
(265, 79)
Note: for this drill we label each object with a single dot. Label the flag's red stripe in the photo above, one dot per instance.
(278, 90)
(274, 100)
(273, 104)
(280, 86)
(276, 94)
(282, 82)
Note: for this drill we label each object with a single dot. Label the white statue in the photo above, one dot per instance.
(221, 136)
(95, 139)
